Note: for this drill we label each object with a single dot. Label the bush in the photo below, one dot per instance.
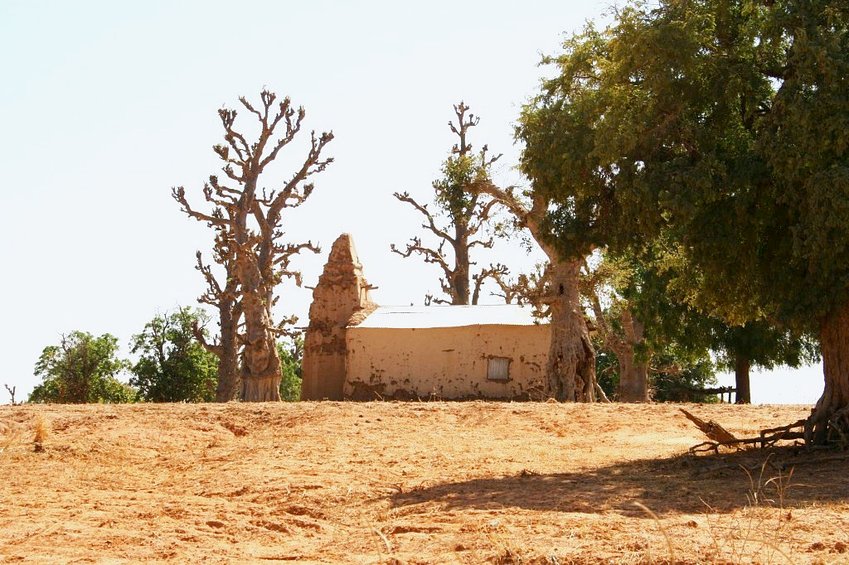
(173, 366)
(291, 357)
(81, 369)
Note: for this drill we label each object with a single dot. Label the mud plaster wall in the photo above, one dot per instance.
(342, 293)
(448, 363)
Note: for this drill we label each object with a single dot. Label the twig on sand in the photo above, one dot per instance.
(385, 540)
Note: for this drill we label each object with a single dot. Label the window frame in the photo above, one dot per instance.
(495, 363)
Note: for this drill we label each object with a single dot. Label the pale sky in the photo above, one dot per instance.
(107, 105)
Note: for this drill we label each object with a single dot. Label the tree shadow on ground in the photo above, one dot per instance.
(681, 484)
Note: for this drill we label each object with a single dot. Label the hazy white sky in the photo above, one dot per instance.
(106, 105)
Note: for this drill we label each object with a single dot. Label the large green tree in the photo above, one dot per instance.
(758, 344)
(726, 124)
(81, 369)
(568, 210)
(173, 366)
(657, 336)
(739, 346)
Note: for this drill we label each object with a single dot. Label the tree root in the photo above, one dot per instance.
(838, 427)
(824, 428)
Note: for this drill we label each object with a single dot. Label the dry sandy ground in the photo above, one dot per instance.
(468, 482)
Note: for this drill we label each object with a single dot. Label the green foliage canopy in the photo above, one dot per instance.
(723, 122)
(81, 369)
(670, 337)
(742, 130)
(763, 345)
(173, 366)
(451, 191)
(558, 130)
(724, 125)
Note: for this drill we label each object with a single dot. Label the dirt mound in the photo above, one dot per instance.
(410, 483)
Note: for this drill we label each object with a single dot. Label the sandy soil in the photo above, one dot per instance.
(467, 482)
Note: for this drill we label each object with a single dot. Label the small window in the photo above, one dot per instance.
(498, 369)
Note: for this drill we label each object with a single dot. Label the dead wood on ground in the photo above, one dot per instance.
(720, 437)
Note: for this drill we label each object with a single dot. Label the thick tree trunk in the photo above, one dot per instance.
(643, 379)
(460, 284)
(261, 373)
(741, 378)
(830, 418)
(228, 377)
(571, 357)
(261, 389)
(633, 374)
(228, 358)
(633, 377)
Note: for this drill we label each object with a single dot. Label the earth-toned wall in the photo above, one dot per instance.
(445, 363)
(341, 294)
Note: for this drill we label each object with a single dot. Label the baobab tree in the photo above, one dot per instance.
(248, 224)
(466, 213)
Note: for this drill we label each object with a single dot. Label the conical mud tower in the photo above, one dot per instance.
(342, 293)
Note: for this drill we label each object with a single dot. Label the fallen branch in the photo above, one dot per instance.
(712, 430)
(770, 436)
(719, 436)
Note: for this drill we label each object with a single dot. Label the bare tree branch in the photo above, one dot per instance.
(487, 244)
(430, 255)
(179, 194)
(495, 272)
(431, 223)
(482, 217)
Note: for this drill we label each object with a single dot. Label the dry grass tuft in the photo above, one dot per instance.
(386, 544)
(780, 484)
(759, 532)
(506, 550)
(40, 434)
